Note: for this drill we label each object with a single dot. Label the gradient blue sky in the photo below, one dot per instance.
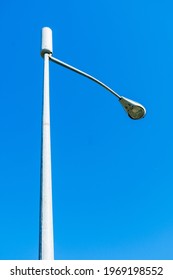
(112, 176)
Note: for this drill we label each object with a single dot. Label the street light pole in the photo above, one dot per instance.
(46, 246)
(134, 110)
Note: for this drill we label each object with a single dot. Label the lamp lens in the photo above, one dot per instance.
(136, 112)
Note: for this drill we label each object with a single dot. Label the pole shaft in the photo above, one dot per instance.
(46, 246)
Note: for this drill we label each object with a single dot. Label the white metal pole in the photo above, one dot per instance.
(46, 246)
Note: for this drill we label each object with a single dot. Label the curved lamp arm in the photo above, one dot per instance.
(57, 61)
(134, 110)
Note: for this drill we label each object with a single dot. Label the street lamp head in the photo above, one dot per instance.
(134, 110)
(46, 44)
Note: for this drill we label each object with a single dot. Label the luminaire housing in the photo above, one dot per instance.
(134, 110)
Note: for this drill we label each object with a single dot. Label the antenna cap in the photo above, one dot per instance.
(46, 45)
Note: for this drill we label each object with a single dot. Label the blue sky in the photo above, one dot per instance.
(112, 176)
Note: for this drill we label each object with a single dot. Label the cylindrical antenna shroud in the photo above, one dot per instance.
(46, 45)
